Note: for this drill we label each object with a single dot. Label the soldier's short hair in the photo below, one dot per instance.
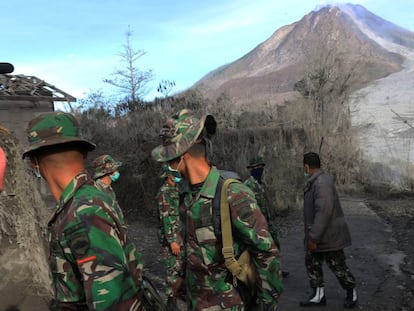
(312, 159)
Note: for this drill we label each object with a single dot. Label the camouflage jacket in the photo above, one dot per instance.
(206, 275)
(105, 188)
(94, 265)
(260, 195)
(261, 198)
(169, 217)
(110, 191)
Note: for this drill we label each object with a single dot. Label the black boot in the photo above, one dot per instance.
(171, 304)
(351, 298)
(316, 299)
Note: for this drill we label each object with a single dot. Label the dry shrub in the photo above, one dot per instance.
(281, 150)
(131, 139)
(280, 134)
(335, 141)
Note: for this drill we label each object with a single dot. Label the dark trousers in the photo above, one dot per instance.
(335, 260)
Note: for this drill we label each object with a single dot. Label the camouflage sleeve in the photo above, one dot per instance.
(260, 195)
(168, 203)
(95, 246)
(160, 232)
(251, 228)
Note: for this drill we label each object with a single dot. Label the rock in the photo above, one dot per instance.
(24, 273)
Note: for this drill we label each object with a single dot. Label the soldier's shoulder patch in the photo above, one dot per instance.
(78, 240)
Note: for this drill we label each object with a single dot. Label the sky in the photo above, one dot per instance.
(75, 44)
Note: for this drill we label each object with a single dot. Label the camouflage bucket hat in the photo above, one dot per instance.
(104, 165)
(180, 132)
(254, 162)
(54, 128)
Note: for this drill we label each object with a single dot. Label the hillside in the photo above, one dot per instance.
(269, 72)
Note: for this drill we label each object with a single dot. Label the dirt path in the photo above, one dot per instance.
(385, 275)
(374, 258)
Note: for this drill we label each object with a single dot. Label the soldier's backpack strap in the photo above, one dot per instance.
(217, 197)
(227, 237)
(242, 268)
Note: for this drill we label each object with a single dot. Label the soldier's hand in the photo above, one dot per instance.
(175, 248)
(312, 245)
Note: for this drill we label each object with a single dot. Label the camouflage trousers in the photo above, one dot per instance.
(336, 262)
(173, 268)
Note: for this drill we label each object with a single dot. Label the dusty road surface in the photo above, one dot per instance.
(374, 259)
(384, 273)
(381, 258)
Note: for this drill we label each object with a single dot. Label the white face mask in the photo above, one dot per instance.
(36, 169)
(306, 173)
(177, 175)
(115, 176)
(175, 169)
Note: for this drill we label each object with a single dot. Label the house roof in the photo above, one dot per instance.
(21, 87)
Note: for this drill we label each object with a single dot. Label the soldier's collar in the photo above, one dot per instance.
(69, 191)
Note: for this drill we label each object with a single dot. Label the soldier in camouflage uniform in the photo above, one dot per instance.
(256, 184)
(105, 171)
(209, 286)
(326, 234)
(94, 265)
(170, 238)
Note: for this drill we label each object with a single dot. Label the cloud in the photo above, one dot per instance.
(322, 3)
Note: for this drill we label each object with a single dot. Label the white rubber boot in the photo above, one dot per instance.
(316, 299)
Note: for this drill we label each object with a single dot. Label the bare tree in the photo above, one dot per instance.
(330, 77)
(329, 80)
(165, 87)
(129, 79)
(94, 99)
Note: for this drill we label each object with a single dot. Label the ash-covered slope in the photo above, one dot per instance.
(269, 72)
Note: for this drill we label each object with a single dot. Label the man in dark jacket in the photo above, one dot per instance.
(326, 234)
